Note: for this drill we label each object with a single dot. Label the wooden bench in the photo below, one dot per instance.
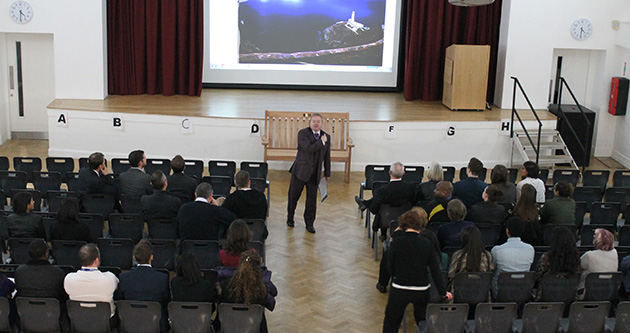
(280, 136)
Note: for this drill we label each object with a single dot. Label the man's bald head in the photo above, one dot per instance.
(444, 189)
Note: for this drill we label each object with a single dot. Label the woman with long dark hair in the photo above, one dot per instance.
(238, 235)
(527, 209)
(561, 259)
(473, 256)
(499, 178)
(189, 285)
(488, 211)
(68, 226)
(23, 223)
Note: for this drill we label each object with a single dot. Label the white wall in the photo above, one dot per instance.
(4, 91)
(530, 32)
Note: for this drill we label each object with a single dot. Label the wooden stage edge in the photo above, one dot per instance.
(251, 104)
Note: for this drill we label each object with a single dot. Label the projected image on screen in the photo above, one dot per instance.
(323, 32)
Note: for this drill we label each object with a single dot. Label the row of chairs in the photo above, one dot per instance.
(43, 315)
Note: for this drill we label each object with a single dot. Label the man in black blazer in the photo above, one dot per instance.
(142, 283)
(93, 179)
(180, 184)
(135, 181)
(203, 219)
(159, 205)
(313, 153)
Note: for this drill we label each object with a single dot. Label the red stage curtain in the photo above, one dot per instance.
(155, 47)
(434, 25)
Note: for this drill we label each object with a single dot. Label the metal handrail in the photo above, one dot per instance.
(515, 112)
(563, 83)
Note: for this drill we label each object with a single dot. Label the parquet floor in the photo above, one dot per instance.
(326, 281)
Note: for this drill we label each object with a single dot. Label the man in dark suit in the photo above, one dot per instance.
(469, 190)
(180, 184)
(93, 179)
(159, 205)
(313, 153)
(246, 202)
(203, 219)
(142, 283)
(135, 181)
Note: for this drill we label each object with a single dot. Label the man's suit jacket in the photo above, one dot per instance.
(469, 191)
(182, 186)
(90, 182)
(203, 221)
(395, 193)
(142, 283)
(311, 155)
(135, 182)
(160, 205)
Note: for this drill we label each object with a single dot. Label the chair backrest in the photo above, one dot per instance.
(96, 223)
(580, 211)
(255, 169)
(413, 174)
(62, 165)
(55, 198)
(587, 194)
(164, 253)
(446, 317)
(37, 197)
(66, 252)
(126, 226)
(513, 175)
(28, 165)
(117, 252)
(257, 227)
(98, 203)
(490, 233)
(587, 232)
(495, 317)
(4, 163)
(139, 316)
(515, 286)
(618, 194)
(463, 174)
(130, 204)
(258, 184)
(544, 175)
(549, 194)
(549, 228)
(46, 181)
(5, 310)
(375, 173)
(605, 213)
(449, 173)
(206, 252)
(190, 317)
(112, 269)
(602, 286)
(221, 185)
(222, 168)
(194, 168)
(260, 249)
(38, 314)
(240, 318)
(472, 287)
(120, 165)
(585, 317)
(162, 229)
(623, 317)
(597, 178)
(8, 269)
(18, 248)
(621, 178)
(542, 317)
(84, 162)
(624, 235)
(154, 164)
(89, 316)
(388, 213)
(559, 288)
(72, 181)
(571, 176)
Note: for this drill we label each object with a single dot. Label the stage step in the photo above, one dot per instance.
(553, 150)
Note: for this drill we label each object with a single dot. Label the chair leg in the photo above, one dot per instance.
(361, 196)
(367, 223)
(347, 172)
(375, 242)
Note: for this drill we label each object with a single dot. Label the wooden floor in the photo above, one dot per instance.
(326, 282)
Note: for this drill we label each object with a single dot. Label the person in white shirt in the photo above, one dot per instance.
(530, 172)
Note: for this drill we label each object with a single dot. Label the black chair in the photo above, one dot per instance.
(515, 287)
(547, 231)
(624, 235)
(587, 232)
(206, 252)
(540, 318)
(490, 233)
(256, 169)
(96, 223)
(3, 199)
(72, 181)
(258, 228)
(66, 252)
(18, 248)
(597, 178)
(190, 317)
(116, 252)
(139, 316)
(4, 163)
(376, 185)
(63, 165)
(259, 184)
(89, 316)
(9, 269)
(413, 174)
(126, 226)
(162, 229)
(621, 178)
(46, 181)
(67, 269)
(164, 253)
(513, 175)
(543, 175)
(10, 180)
(618, 194)
(130, 204)
(444, 318)
(571, 176)
(112, 269)
(449, 173)
(549, 192)
(588, 317)
(471, 287)
(222, 168)
(55, 198)
(154, 164)
(260, 249)
(622, 320)
(602, 286)
(494, 317)
(559, 288)
(240, 317)
(37, 197)
(28, 165)
(120, 165)
(463, 174)
(84, 162)
(194, 168)
(38, 314)
(587, 194)
(97, 203)
(580, 211)
(373, 173)
(221, 185)
(386, 214)
(5, 310)
(605, 213)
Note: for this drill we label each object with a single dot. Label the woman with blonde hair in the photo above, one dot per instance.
(435, 174)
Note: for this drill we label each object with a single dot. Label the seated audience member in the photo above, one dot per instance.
(602, 259)
(435, 174)
(180, 184)
(93, 179)
(411, 259)
(159, 205)
(248, 286)
(561, 260)
(238, 235)
(68, 225)
(203, 219)
(470, 189)
(38, 278)
(624, 267)
(442, 257)
(488, 211)
(142, 283)
(528, 210)
(449, 234)
(514, 255)
(529, 174)
(23, 223)
(91, 285)
(499, 178)
(560, 209)
(135, 181)
(395, 194)
(472, 257)
(246, 202)
(189, 285)
(437, 207)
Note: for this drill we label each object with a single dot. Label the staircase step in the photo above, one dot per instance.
(552, 159)
(543, 145)
(534, 133)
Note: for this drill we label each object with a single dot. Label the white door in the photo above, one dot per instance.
(31, 83)
(578, 67)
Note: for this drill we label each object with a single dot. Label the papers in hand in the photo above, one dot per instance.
(323, 188)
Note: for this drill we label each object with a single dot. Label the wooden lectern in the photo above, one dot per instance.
(466, 77)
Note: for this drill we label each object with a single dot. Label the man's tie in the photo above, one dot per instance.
(316, 136)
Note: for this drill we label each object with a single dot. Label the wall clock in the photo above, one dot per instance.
(581, 29)
(21, 11)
